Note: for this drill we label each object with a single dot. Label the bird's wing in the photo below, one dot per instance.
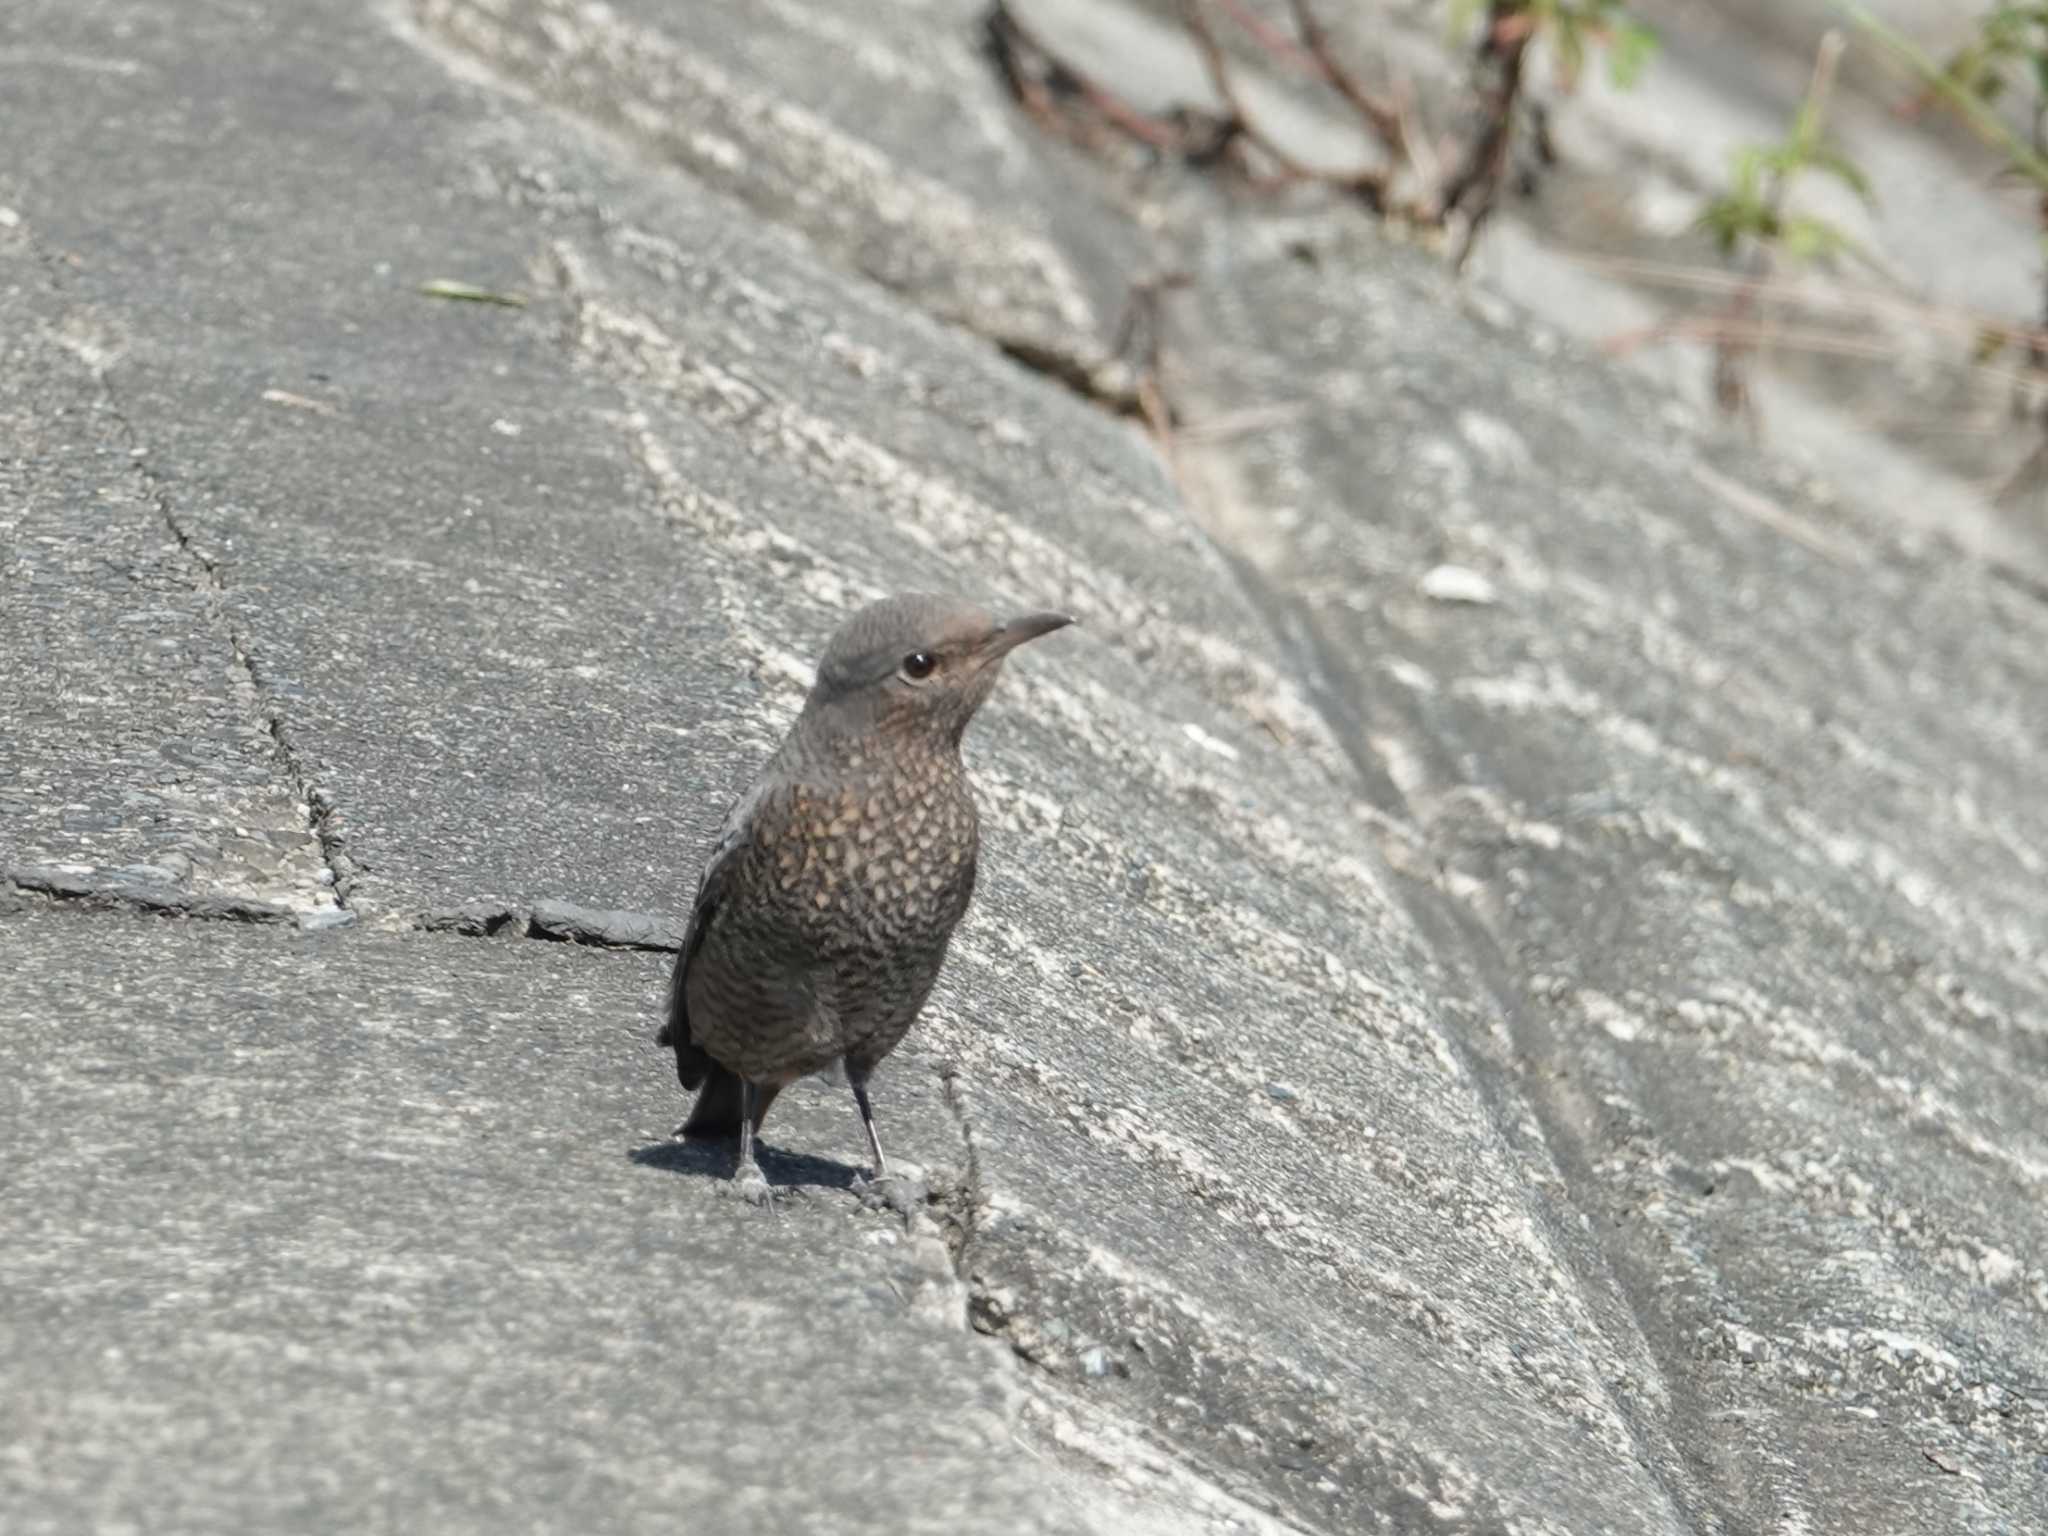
(691, 1062)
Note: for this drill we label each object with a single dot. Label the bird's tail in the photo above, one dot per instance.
(717, 1110)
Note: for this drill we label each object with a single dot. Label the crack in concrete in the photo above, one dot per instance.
(62, 885)
(318, 807)
(1107, 383)
(557, 922)
(320, 812)
(960, 1205)
(1458, 935)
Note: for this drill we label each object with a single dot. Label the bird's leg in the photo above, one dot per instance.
(867, 1122)
(905, 1196)
(747, 1177)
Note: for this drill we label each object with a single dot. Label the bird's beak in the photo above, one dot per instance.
(1011, 633)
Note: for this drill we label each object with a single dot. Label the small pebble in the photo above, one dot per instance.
(1458, 584)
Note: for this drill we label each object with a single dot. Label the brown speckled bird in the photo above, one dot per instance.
(827, 904)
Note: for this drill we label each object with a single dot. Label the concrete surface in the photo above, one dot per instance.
(1505, 995)
(384, 1232)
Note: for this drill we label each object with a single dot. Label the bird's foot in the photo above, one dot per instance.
(748, 1183)
(901, 1189)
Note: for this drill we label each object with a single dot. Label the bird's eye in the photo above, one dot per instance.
(917, 666)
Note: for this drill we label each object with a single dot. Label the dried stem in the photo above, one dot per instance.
(1270, 37)
(1043, 84)
(1310, 53)
(2037, 346)
(1141, 331)
(2032, 471)
(1370, 186)
(1067, 100)
(1217, 63)
(1474, 187)
(1734, 341)
(1141, 340)
(1384, 118)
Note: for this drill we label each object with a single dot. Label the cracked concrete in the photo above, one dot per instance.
(318, 811)
(135, 744)
(444, 1094)
(1501, 993)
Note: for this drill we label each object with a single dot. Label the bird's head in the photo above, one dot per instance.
(916, 664)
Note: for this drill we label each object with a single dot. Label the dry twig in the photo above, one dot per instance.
(1732, 346)
(1385, 118)
(1474, 188)
(1068, 101)
(1048, 88)
(1141, 341)
(1270, 37)
(1239, 122)
(1753, 334)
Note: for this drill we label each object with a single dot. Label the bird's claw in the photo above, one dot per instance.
(748, 1183)
(901, 1193)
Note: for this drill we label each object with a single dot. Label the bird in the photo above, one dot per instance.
(824, 910)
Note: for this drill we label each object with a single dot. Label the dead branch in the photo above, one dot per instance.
(1731, 348)
(2037, 351)
(1140, 330)
(1270, 38)
(1241, 122)
(1243, 422)
(1474, 188)
(1385, 119)
(2028, 478)
(1141, 342)
(1310, 53)
(1067, 100)
(1050, 89)
(1747, 331)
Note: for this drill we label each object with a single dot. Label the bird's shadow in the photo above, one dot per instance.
(714, 1159)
